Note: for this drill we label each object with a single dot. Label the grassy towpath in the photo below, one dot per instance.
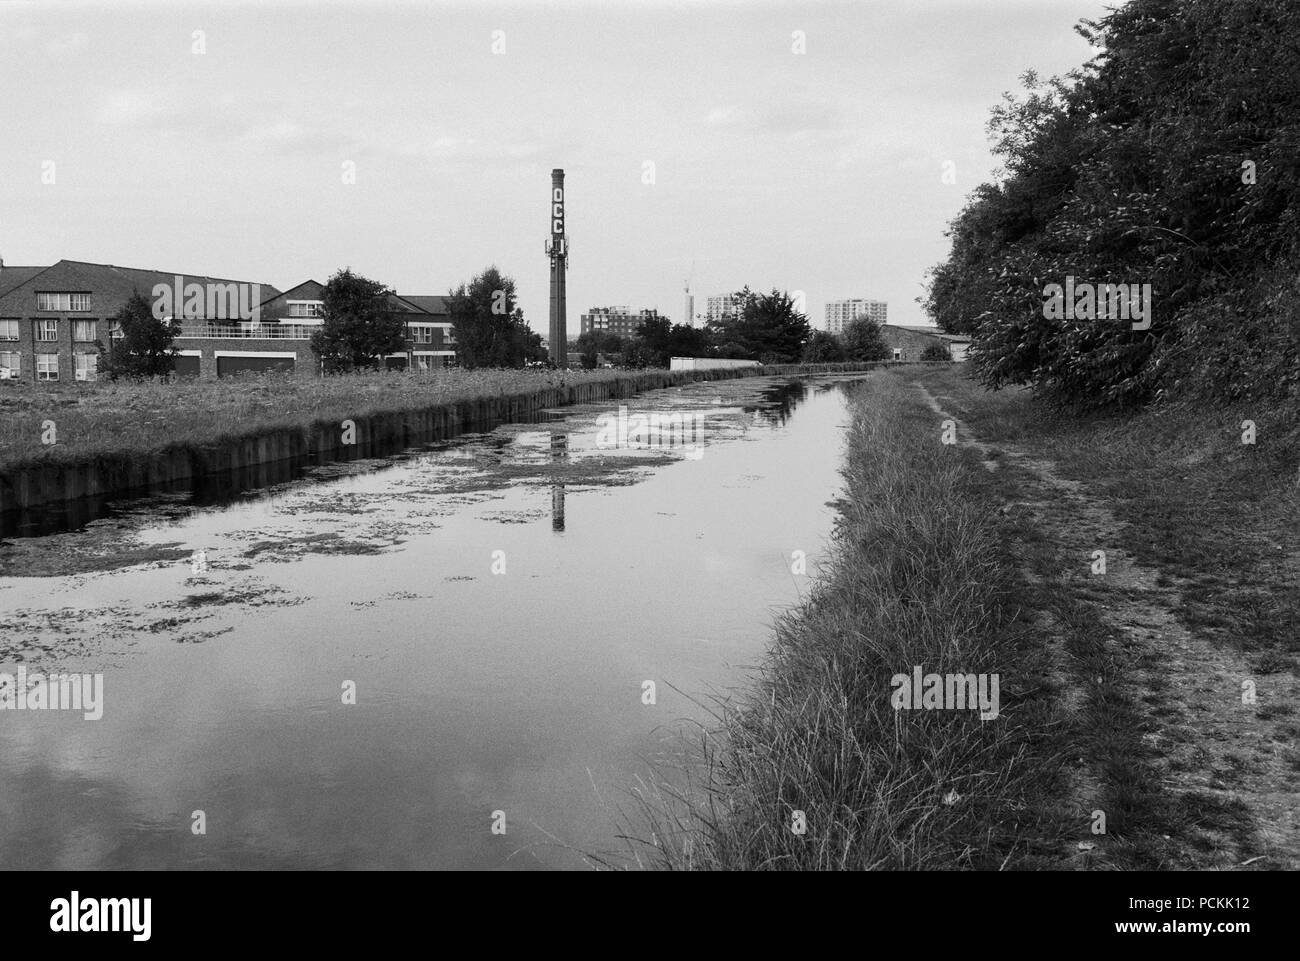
(1134, 581)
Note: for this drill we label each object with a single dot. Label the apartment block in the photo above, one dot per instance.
(723, 305)
(840, 312)
(622, 321)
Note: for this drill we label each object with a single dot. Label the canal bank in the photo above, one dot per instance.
(499, 602)
(56, 478)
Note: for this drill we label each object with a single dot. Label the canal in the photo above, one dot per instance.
(502, 609)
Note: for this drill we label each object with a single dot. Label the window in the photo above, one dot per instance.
(8, 330)
(306, 308)
(47, 366)
(83, 331)
(422, 335)
(47, 330)
(63, 302)
(10, 364)
(87, 366)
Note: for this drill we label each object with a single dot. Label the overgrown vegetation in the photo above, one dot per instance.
(144, 416)
(1122, 691)
(917, 577)
(150, 415)
(1171, 159)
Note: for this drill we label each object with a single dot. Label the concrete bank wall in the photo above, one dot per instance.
(384, 433)
(708, 363)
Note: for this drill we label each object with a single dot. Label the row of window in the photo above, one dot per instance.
(47, 365)
(63, 302)
(85, 331)
(47, 331)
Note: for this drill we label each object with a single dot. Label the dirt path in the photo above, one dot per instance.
(1211, 749)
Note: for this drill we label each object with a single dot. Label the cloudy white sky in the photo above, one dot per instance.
(819, 172)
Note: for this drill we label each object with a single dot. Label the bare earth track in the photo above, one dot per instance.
(1218, 766)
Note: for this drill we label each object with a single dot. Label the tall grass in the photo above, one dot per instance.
(143, 416)
(917, 576)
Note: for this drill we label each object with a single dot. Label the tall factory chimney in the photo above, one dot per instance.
(557, 248)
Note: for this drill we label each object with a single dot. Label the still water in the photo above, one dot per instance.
(498, 603)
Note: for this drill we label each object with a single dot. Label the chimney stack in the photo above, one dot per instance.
(557, 248)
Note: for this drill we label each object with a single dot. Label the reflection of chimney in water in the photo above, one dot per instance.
(559, 455)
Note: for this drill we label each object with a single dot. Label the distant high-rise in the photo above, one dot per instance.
(723, 305)
(617, 320)
(840, 312)
(690, 308)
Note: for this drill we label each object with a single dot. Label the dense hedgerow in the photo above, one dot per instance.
(1171, 159)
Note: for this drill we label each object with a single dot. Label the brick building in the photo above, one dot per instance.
(622, 321)
(52, 320)
(908, 343)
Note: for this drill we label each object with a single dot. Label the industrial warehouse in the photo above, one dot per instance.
(53, 319)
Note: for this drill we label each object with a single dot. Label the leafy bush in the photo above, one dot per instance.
(936, 351)
(1170, 159)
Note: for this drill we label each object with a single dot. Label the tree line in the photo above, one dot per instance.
(360, 327)
(1170, 164)
(767, 327)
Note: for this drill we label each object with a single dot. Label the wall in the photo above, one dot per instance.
(709, 363)
(911, 342)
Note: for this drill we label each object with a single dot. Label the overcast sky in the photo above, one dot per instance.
(819, 172)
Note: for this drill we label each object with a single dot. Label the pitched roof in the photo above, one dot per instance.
(935, 331)
(312, 287)
(142, 278)
(83, 275)
(11, 277)
(428, 303)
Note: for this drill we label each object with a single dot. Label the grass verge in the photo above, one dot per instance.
(918, 577)
(1126, 739)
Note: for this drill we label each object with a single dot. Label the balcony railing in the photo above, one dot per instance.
(246, 332)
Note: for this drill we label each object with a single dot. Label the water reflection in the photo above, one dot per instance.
(782, 401)
(559, 455)
(777, 403)
(477, 692)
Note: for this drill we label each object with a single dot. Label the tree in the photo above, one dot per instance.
(660, 339)
(823, 347)
(596, 342)
(145, 347)
(360, 328)
(863, 341)
(768, 329)
(1167, 162)
(936, 351)
(490, 330)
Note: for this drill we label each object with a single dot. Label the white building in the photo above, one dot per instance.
(840, 312)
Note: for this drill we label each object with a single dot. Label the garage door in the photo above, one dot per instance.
(187, 367)
(227, 366)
